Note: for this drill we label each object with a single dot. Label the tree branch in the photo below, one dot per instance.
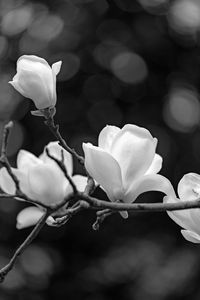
(55, 130)
(5, 270)
(3, 159)
(142, 207)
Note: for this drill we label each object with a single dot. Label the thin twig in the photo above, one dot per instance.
(70, 212)
(90, 187)
(3, 159)
(55, 130)
(61, 165)
(6, 132)
(5, 270)
(101, 216)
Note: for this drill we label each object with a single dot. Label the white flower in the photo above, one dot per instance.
(36, 80)
(125, 163)
(41, 179)
(189, 219)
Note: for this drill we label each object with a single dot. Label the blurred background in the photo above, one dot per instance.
(124, 61)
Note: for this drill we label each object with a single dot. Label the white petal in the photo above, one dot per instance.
(30, 61)
(29, 217)
(18, 88)
(6, 182)
(56, 151)
(56, 67)
(146, 183)
(47, 183)
(104, 169)
(195, 216)
(107, 136)
(156, 165)
(37, 86)
(35, 80)
(25, 160)
(134, 149)
(80, 182)
(8, 185)
(191, 236)
(181, 217)
(189, 187)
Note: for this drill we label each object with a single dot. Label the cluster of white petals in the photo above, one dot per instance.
(41, 179)
(36, 80)
(189, 219)
(125, 163)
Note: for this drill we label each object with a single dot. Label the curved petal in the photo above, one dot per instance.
(6, 182)
(16, 86)
(146, 183)
(8, 185)
(37, 87)
(25, 160)
(104, 169)
(47, 183)
(27, 61)
(195, 216)
(29, 216)
(107, 136)
(189, 187)
(181, 217)
(191, 236)
(155, 166)
(56, 67)
(134, 149)
(80, 182)
(56, 151)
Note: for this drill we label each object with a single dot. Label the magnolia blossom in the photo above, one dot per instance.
(36, 80)
(125, 163)
(189, 219)
(41, 179)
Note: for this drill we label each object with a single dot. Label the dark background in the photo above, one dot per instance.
(124, 61)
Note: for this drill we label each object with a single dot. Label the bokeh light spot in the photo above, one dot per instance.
(184, 16)
(16, 21)
(36, 261)
(129, 67)
(182, 110)
(104, 52)
(46, 27)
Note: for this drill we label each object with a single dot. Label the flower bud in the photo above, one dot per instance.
(36, 80)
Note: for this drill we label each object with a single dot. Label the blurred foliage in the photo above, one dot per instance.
(124, 61)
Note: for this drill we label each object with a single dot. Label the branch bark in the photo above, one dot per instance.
(140, 207)
(5, 270)
(55, 130)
